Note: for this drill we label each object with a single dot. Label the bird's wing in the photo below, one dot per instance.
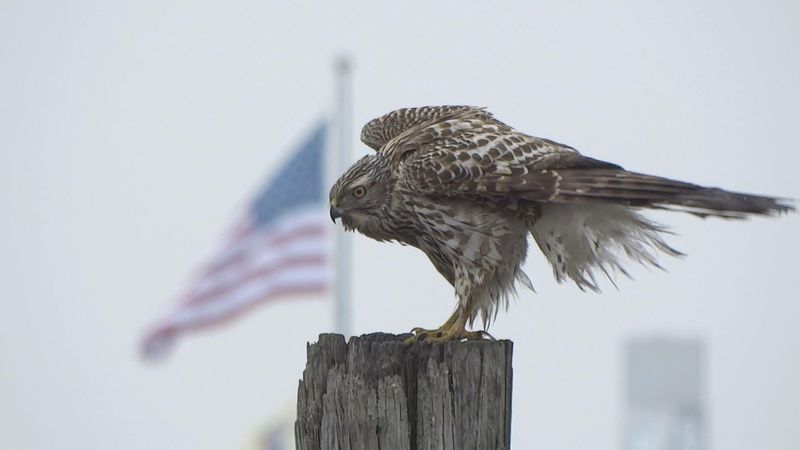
(465, 155)
(379, 131)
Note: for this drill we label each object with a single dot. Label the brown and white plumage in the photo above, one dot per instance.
(467, 190)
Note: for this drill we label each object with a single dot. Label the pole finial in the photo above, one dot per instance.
(343, 64)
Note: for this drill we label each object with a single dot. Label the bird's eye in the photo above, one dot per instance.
(359, 191)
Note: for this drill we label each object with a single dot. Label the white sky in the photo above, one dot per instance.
(130, 135)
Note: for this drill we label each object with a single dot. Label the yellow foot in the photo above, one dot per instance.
(439, 335)
(421, 334)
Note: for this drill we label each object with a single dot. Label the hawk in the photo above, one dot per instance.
(467, 190)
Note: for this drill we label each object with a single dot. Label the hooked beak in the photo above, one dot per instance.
(335, 213)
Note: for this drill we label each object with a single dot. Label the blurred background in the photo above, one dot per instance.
(131, 134)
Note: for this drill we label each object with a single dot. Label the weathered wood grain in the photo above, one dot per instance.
(375, 393)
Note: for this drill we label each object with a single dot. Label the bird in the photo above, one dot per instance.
(468, 190)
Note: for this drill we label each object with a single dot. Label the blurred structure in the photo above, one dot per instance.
(277, 433)
(665, 395)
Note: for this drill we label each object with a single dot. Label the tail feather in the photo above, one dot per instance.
(635, 189)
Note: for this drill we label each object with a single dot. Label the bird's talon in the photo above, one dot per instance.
(485, 335)
(447, 336)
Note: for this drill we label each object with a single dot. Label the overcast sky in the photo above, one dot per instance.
(130, 135)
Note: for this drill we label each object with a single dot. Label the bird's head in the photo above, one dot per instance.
(360, 196)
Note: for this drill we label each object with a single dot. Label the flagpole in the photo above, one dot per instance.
(343, 149)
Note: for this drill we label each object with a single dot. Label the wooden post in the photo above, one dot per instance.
(376, 393)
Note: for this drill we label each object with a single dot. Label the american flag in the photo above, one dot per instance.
(278, 249)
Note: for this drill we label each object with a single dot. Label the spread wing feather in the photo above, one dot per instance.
(379, 131)
(464, 151)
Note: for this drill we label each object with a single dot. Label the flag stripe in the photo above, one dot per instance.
(263, 246)
(288, 277)
(300, 218)
(162, 335)
(259, 271)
